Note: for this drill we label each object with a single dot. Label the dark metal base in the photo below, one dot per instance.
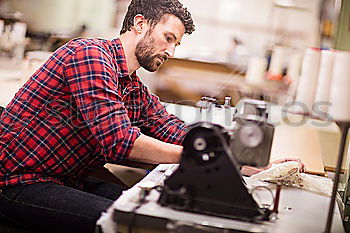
(344, 128)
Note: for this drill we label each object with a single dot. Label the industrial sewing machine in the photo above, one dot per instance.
(212, 156)
(206, 193)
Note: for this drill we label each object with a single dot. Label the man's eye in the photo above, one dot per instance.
(168, 39)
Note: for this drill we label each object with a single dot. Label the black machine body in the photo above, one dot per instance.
(208, 179)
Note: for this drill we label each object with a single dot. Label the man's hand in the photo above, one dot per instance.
(248, 170)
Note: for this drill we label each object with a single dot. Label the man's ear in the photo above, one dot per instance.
(139, 23)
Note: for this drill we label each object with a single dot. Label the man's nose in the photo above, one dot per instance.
(170, 51)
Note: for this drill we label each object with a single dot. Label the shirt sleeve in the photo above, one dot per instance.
(93, 83)
(158, 123)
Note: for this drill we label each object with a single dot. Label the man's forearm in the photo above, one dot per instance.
(150, 150)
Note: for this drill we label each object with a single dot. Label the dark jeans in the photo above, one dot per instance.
(49, 207)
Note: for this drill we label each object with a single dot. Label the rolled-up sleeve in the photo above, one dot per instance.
(92, 80)
(158, 123)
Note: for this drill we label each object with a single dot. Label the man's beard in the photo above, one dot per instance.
(144, 52)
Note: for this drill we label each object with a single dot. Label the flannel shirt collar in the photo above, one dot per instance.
(131, 82)
(121, 60)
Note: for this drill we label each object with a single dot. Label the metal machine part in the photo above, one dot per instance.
(200, 184)
(252, 135)
(251, 142)
(208, 102)
(249, 107)
(200, 144)
(227, 103)
(212, 156)
(250, 132)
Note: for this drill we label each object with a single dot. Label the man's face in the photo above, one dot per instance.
(159, 42)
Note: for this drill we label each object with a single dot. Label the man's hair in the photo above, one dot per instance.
(154, 10)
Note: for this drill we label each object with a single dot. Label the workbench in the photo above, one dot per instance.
(299, 211)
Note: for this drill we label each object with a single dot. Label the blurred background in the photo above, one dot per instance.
(240, 48)
(234, 40)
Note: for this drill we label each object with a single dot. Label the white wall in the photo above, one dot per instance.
(258, 23)
(67, 15)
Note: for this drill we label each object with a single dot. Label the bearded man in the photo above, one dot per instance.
(83, 108)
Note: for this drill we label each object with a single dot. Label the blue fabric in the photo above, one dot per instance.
(50, 207)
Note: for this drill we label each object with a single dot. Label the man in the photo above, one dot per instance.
(83, 108)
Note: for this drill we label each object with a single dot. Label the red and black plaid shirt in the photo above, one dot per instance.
(78, 111)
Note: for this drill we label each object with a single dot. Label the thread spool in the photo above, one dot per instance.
(293, 72)
(324, 82)
(277, 63)
(340, 84)
(256, 70)
(308, 81)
